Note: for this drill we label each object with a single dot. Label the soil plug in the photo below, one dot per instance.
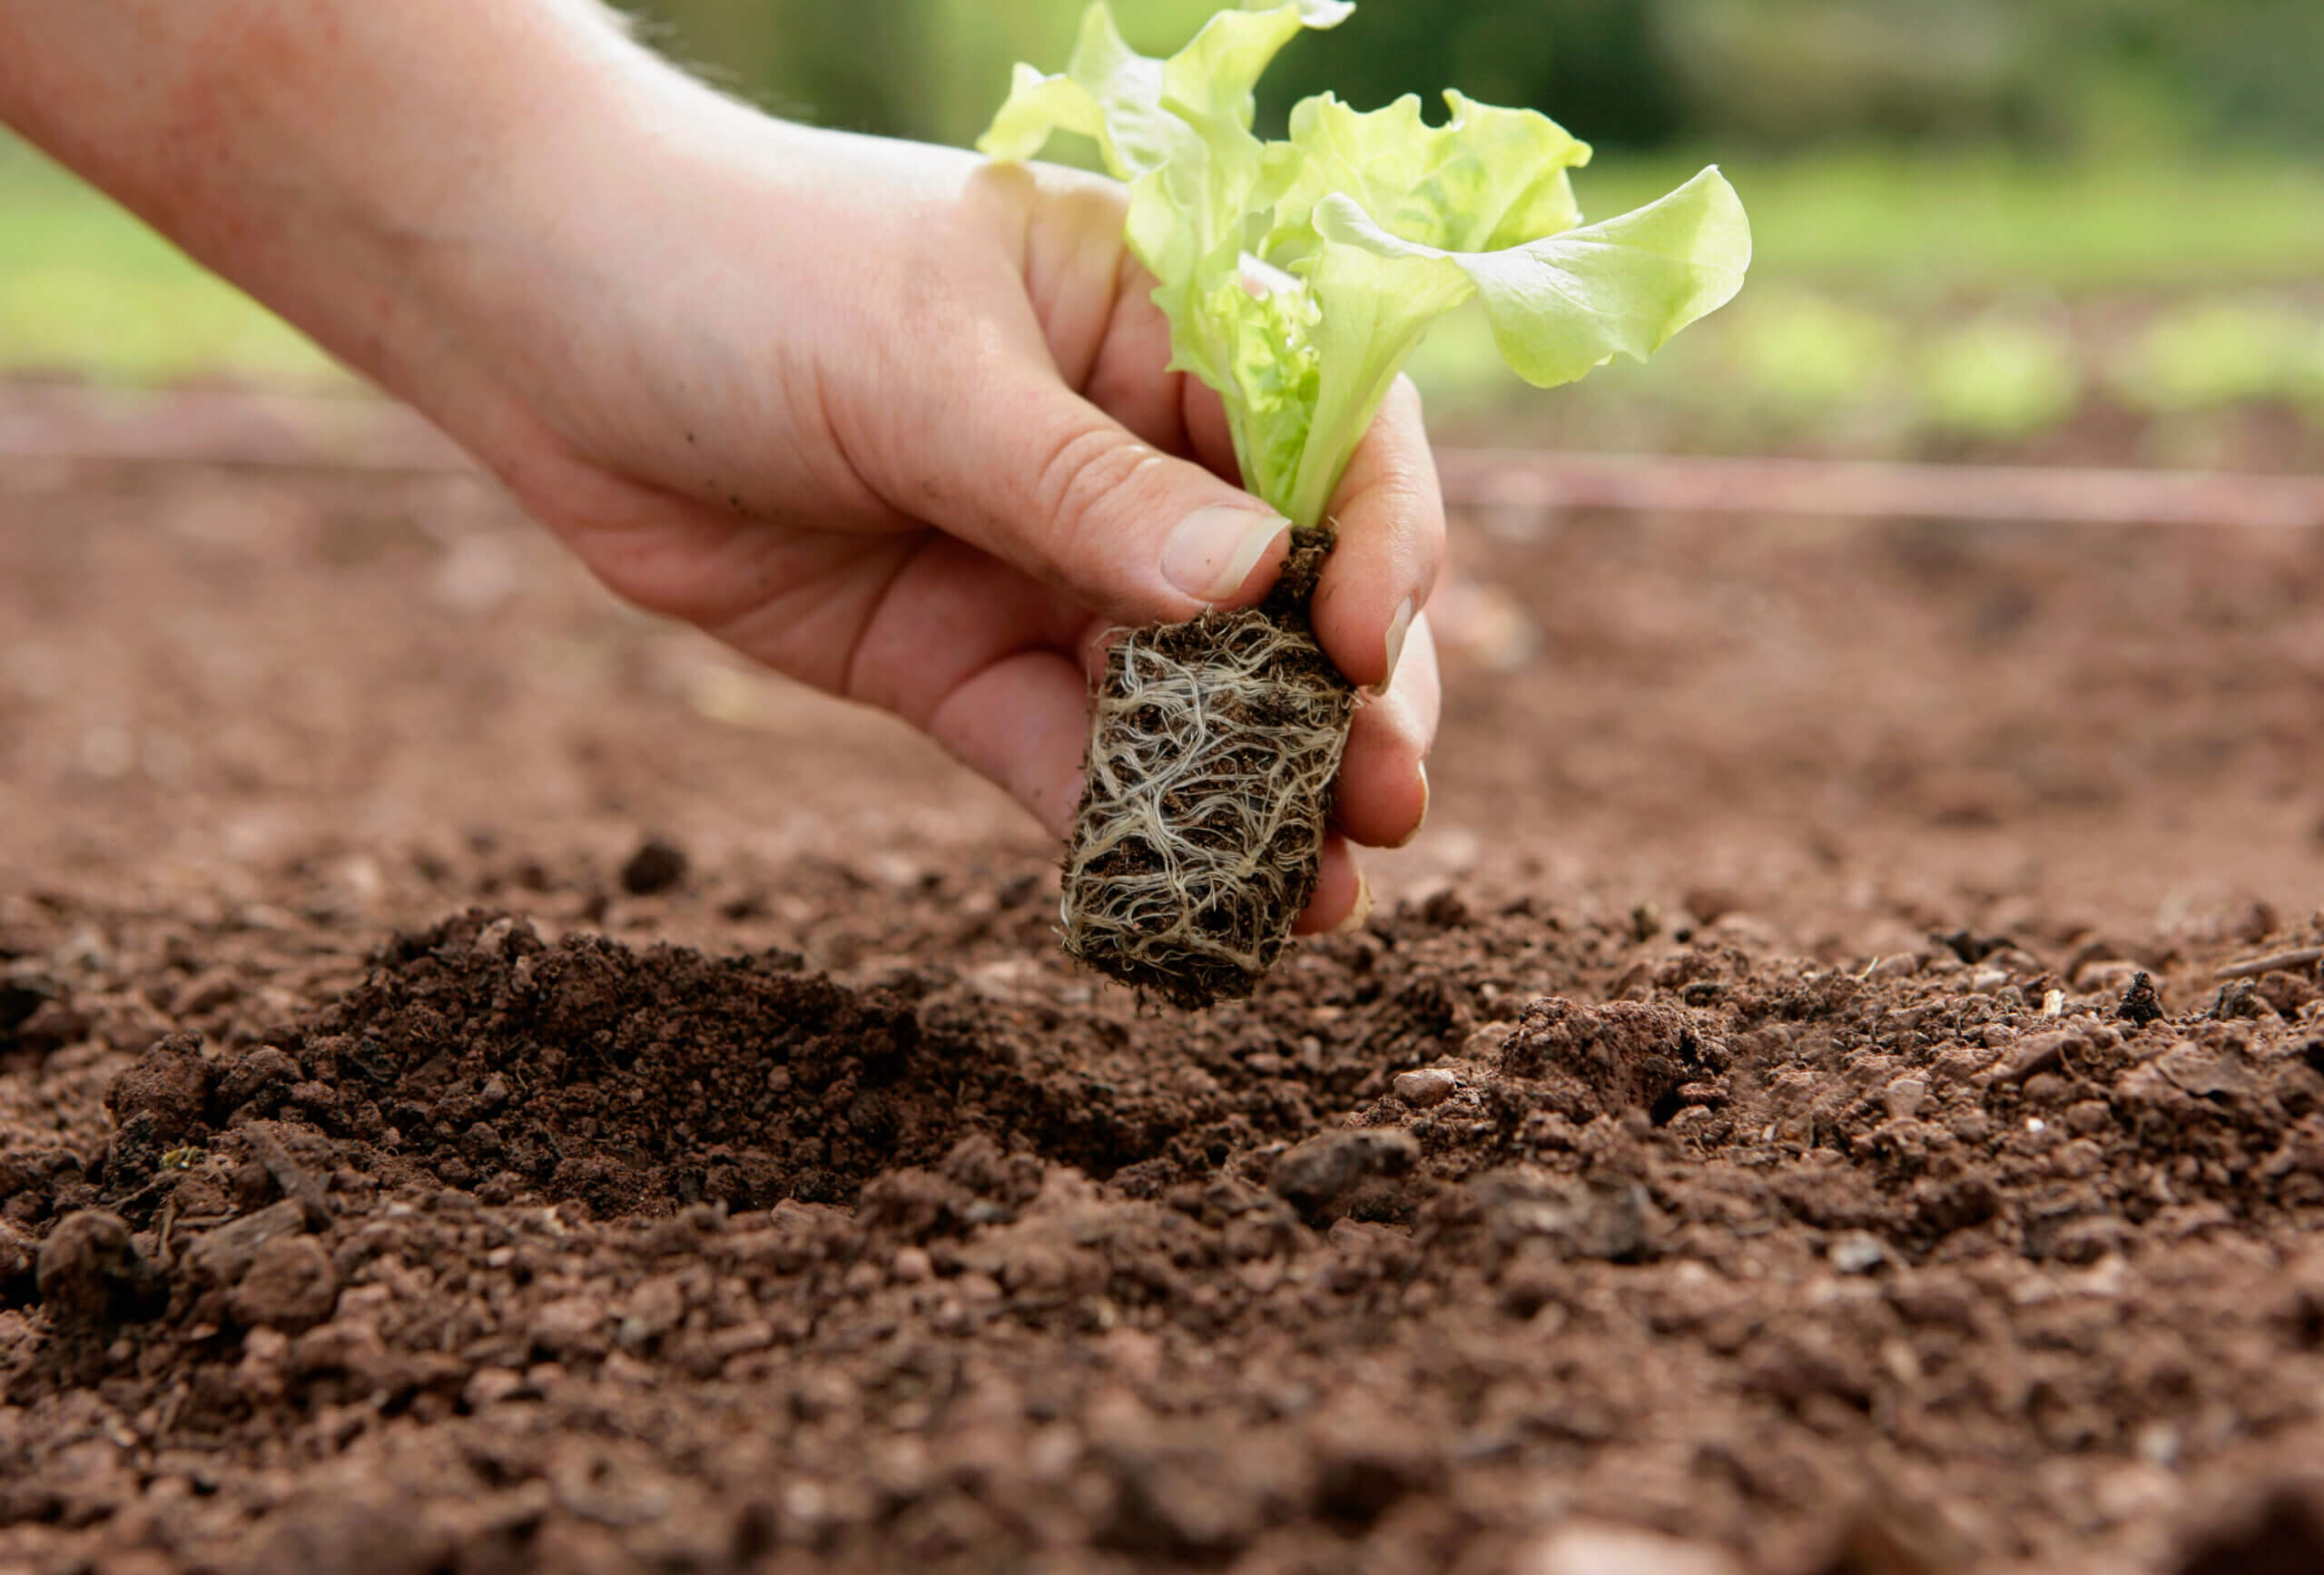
(1298, 277)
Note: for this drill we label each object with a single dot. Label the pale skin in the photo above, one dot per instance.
(884, 416)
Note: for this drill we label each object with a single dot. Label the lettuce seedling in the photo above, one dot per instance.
(1298, 277)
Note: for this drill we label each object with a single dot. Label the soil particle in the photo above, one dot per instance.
(1525, 1215)
(1189, 1501)
(166, 1094)
(655, 868)
(570, 1325)
(1367, 1461)
(1609, 1550)
(92, 1275)
(37, 1016)
(1325, 1169)
(224, 1255)
(2142, 1004)
(257, 1085)
(1856, 1252)
(19, 1258)
(290, 1285)
(351, 1528)
(1602, 1061)
(2280, 1532)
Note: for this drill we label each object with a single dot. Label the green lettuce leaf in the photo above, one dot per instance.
(1144, 113)
(1486, 179)
(1559, 305)
(1299, 276)
(1202, 187)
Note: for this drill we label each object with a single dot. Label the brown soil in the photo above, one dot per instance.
(486, 1084)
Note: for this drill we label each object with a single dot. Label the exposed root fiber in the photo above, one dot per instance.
(1199, 836)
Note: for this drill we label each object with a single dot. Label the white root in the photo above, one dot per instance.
(1201, 830)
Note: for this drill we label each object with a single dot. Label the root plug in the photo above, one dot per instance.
(1200, 833)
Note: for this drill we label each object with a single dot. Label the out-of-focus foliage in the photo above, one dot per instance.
(1796, 365)
(2023, 229)
(2047, 75)
(1928, 219)
(2208, 353)
(930, 69)
(1999, 373)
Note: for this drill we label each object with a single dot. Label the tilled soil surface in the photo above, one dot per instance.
(487, 1084)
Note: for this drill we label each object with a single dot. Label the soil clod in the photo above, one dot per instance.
(1426, 1088)
(2281, 1532)
(655, 868)
(2141, 1004)
(1325, 1169)
(288, 1285)
(90, 1276)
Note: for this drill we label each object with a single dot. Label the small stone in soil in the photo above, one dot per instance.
(1430, 1086)
(1902, 1098)
(1856, 1252)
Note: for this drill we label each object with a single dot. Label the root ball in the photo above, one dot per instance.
(1199, 836)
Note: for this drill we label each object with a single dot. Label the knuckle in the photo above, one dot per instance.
(1084, 469)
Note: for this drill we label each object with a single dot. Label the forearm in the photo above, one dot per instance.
(347, 162)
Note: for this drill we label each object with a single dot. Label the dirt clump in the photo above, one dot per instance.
(628, 1080)
(90, 1276)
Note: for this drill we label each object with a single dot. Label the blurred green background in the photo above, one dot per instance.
(2052, 229)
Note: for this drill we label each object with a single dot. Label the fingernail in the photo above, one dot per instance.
(1398, 628)
(1421, 819)
(1215, 549)
(1361, 912)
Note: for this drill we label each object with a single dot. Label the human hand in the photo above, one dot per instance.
(884, 416)
(893, 421)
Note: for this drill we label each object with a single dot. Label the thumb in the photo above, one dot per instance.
(1040, 478)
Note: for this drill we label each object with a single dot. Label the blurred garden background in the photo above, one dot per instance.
(2067, 230)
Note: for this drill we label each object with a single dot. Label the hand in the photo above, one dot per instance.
(883, 416)
(894, 421)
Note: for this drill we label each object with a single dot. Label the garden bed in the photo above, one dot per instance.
(571, 1103)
